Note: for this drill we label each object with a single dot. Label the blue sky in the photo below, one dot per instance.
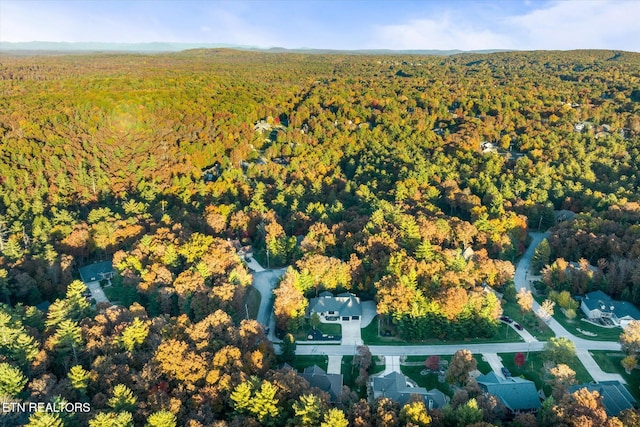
(336, 24)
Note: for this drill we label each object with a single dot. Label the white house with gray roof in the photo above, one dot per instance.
(599, 306)
(343, 307)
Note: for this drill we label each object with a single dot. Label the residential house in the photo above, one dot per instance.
(96, 272)
(343, 307)
(242, 251)
(262, 126)
(488, 147)
(394, 386)
(318, 377)
(615, 396)
(600, 307)
(516, 394)
(564, 215)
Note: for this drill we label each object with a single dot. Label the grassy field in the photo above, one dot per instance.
(530, 321)
(483, 366)
(326, 328)
(602, 334)
(123, 295)
(533, 369)
(252, 300)
(302, 362)
(609, 361)
(429, 381)
(370, 337)
(350, 373)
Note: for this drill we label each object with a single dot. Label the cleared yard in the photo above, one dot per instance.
(610, 361)
(302, 362)
(534, 368)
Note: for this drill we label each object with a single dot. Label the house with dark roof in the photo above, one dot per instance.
(96, 271)
(599, 306)
(342, 307)
(318, 377)
(615, 396)
(516, 394)
(394, 385)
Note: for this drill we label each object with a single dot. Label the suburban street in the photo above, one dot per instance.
(265, 281)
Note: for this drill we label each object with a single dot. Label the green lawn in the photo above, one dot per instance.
(370, 336)
(302, 362)
(609, 361)
(429, 381)
(530, 321)
(602, 334)
(483, 366)
(123, 295)
(349, 373)
(326, 328)
(252, 300)
(533, 369)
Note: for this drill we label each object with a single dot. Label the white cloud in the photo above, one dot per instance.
(556, 25)
(580, 25)
(441, 33)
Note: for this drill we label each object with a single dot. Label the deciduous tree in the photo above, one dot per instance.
(462, 363)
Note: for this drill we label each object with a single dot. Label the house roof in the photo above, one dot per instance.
(394, 386)
(318, 377)
(92, 272)
(598, 300)
(345, 304)
(615, 396)
(517, 394)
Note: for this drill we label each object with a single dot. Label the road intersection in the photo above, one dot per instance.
(265, 282)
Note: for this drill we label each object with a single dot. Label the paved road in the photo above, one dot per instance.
(265, 282)
(522, 280)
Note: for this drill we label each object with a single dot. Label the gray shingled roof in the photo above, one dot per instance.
(394, 386)
(345, 304)
(598, 300)
(517, 394)
(318, 377)
(92, 272)
(615, 397)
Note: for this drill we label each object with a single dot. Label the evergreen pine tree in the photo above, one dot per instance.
(161, 419)
(122, 399)
(12, 380)
(134, 335)
(79, 378)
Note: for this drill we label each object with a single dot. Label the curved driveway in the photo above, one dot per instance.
(521, 280)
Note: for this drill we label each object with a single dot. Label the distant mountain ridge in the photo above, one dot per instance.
(158, 47)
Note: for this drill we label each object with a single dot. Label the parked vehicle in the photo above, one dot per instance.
(506, 319)
(518, 326)
(506, 372)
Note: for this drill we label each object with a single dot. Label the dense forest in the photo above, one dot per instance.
(411, 181)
